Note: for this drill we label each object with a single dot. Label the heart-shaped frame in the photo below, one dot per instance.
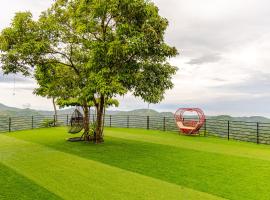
(189, 126)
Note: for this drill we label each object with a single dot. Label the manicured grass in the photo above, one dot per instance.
(132, 164)
(15, 186)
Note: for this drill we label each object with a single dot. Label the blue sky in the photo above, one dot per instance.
(223, 63)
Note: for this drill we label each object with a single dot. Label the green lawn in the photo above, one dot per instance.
(131, 164)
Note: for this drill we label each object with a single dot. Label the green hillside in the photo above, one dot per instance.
(6, 111)
(11, 111)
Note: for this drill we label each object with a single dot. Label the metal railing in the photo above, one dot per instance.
(257, 132)
(8, 124)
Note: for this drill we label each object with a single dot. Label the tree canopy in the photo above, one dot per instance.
(93, 51)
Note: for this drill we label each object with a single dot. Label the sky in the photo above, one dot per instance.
(223, 63)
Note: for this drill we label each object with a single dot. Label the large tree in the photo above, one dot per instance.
(103, 48)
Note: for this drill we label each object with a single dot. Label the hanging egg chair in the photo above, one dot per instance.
(189, 125)
(76, 122)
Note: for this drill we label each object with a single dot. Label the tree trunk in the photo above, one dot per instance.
(100, 109)
(55, 110)
(86, 135)
(103, 121)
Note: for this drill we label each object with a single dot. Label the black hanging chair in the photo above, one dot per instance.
(76, 122)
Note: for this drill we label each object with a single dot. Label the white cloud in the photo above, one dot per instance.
(10, 7)
(223, 62)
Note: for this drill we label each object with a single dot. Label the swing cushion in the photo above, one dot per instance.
(182, 126)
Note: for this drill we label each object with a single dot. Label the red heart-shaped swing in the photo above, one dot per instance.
(189, 126)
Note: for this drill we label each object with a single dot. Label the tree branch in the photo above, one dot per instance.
(68, 58)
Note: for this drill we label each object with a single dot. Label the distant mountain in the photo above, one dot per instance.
(4, 107)
(246, 119)
(141, 112)
(6, 111)
(12, 111)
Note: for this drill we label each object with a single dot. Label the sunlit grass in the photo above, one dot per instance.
(135, 164)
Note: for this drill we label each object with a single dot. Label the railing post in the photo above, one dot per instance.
(128, 121)
(67, 119)
(147, 122)
(228, 130)
(9, 124)
(164, 123)
(257, 133)
(110, 120)
(205, 127)
(32, 122)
